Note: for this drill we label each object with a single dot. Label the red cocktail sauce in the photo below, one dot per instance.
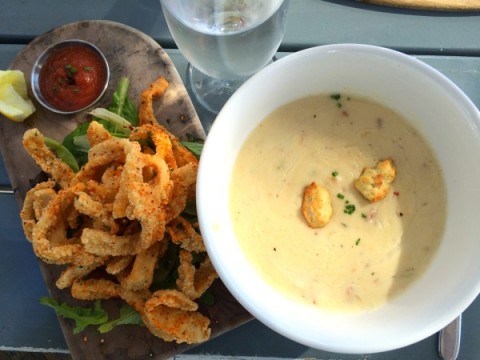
(72, 78)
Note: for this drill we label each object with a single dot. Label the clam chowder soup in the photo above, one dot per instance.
(369, 249)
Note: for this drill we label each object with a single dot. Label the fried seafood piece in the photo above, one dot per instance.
(100, 157)
(193, 281)
(171, 315)
(184, 179)
(183, 233)
(49, 236)
(114, 220)
(107, 188)
(48, 161)
(141, 274)
(117, 264)
(168, 314)
(41, 198)
(316, 205)
(102, 289)
(95, 289)
(73, 273)
(104, 193)
(374, 183)
(145, 111)
(161, 139)
(144, 200)
(102, 243)
(96, 133)
(35, 202)
(182, 155)
(100, 213)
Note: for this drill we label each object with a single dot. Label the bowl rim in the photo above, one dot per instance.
(43, 57)
(204, 203)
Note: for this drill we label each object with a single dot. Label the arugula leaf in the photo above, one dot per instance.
(128, 315)
(62, 152)
(122, 105)
(195, 147)
(82, 316)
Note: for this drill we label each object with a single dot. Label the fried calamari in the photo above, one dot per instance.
(111, 223)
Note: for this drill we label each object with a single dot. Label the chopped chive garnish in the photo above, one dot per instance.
(349, 209)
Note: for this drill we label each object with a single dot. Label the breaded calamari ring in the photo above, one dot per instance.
(100, 157)
(100, 213)
(184, 234)
(145, 111)
(142, 200)
(61, 251)
(141, 275)
(160, 138)
(193, 281)
(48, 161)
(184, 179)
(171, 315)
(96, 133)
(102, 243)
(182, 155)
(29, 214)
(95, 289)
(117, 264)
(73, 273)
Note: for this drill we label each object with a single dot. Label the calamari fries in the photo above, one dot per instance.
(117, 216)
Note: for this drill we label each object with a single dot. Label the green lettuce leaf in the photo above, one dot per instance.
(62, 152)
(69, 142)
(122, 105)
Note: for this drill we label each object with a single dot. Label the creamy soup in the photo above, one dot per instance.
(368, 252)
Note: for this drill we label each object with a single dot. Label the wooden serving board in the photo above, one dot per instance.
(440, 5)
(135, 55)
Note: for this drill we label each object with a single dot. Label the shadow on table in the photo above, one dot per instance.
(253, 339)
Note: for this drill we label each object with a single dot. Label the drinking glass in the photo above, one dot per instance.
(225, 42)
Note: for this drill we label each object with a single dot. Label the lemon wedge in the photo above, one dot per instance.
(14, 101)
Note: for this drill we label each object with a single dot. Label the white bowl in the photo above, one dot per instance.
(445, 117)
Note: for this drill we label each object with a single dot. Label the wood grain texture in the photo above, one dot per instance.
(440, 5)
(132, 54)
(19, 355)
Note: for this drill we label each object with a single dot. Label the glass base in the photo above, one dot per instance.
(211, 93)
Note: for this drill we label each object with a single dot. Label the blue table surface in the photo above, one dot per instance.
(449, 42)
